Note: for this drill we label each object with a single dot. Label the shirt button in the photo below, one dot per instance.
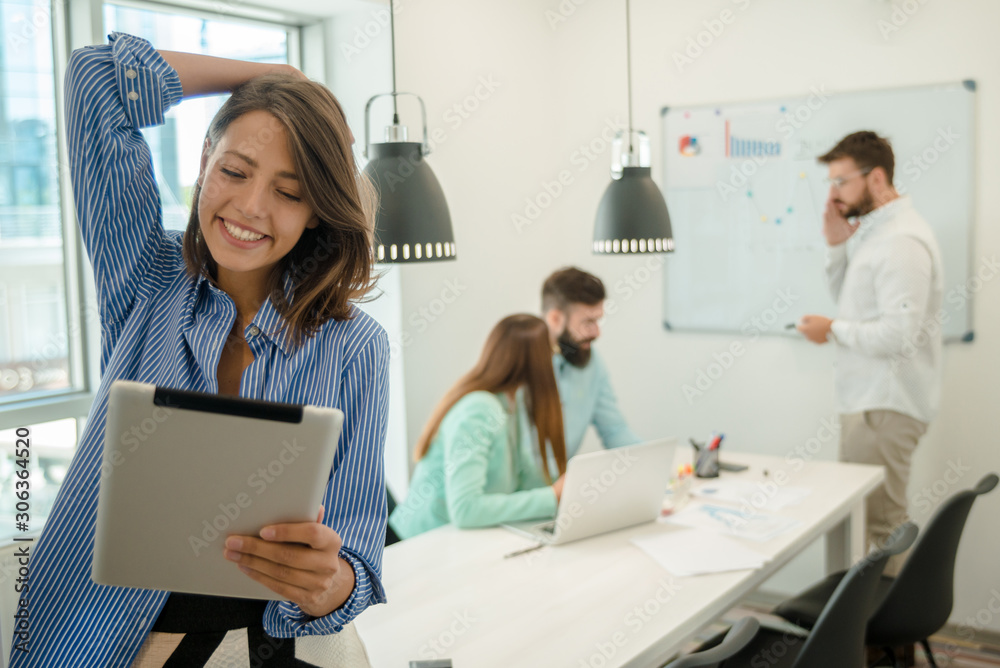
(133, 96)
(254, 330)
(131, 74)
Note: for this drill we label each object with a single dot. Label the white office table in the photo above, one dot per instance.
(595, 603)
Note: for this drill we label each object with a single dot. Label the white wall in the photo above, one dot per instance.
(358, 66)
(558, 85)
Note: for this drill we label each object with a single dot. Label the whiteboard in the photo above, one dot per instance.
(746, 199)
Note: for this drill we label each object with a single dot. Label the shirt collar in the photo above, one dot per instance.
(268, 319)
(559, 362)
(270, 322)
(887, 211)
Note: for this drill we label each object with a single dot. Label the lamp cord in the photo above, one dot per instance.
(628, 56)
(392, 43)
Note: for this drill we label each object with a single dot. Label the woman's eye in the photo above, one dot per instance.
(290, 198)
(229, 172)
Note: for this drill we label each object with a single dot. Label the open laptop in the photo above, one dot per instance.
(183, 470)
(607, 490)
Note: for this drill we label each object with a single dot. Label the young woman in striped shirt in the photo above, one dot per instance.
(253, 299)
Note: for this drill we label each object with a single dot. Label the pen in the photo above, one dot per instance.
(791, 325)
(516, 553)
(695, 444)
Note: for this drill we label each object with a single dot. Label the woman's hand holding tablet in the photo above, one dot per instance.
(299, 561)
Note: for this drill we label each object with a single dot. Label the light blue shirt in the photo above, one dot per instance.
(587, 399)
(159, 325)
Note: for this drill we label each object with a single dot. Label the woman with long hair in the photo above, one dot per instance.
(253, 299)
(483, 455)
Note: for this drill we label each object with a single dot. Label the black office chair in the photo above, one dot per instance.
(390, 535)
(838, 638)
(916, 603)
(739, 635)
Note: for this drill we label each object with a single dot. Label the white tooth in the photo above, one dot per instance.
(241, 234)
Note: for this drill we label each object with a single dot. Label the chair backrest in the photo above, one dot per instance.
(390, 535)
(738, 637)
(920, 600)
(838, 638)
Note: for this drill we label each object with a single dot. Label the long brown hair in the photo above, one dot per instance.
(518, 352)
(332, 263)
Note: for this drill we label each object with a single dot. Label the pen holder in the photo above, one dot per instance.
(707, 463)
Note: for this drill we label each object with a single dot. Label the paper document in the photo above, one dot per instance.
(692, 552)
(729, 520)
(758, 495)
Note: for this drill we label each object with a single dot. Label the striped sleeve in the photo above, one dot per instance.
(355, 498)
(113, 90)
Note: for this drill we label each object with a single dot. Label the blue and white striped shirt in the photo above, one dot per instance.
(160, 325)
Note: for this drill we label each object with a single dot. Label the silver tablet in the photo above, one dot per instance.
(183, 470)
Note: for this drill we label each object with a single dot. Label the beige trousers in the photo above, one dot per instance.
(884, 438)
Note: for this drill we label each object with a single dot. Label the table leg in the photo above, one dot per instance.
(845, 543)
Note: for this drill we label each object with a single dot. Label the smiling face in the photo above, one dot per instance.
(251, 207)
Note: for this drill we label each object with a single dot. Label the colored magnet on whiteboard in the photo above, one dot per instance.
(749, 193)
(802, 175)
(763, 219)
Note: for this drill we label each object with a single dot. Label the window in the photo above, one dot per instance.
(176, 145)
(43, 317)
(51, 449)
(4, 328)
(31, 227)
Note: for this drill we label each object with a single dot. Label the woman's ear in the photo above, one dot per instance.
(313, 222)
(206, 151)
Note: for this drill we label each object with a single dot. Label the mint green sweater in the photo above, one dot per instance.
(479, 471)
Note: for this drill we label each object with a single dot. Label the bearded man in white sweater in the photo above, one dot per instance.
(884, 271)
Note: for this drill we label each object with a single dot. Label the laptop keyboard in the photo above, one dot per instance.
(547, 527)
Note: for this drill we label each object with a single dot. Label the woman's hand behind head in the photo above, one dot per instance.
(283, 68)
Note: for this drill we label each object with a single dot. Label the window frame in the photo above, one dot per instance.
(77, 23)
(47, 405)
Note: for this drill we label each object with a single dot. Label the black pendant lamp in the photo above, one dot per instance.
(412, 223)
(632, 216)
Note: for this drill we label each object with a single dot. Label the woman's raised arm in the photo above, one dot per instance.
(207, 75)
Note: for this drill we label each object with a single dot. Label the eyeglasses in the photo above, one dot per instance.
(838, 182)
